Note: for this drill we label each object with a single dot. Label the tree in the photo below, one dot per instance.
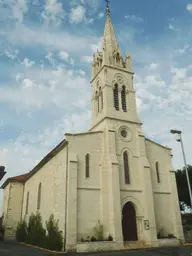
(182, 187)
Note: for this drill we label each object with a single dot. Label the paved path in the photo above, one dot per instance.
(14, 249)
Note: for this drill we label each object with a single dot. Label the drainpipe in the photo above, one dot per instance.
(66, 196)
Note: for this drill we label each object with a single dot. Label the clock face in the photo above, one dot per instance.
(120, 80)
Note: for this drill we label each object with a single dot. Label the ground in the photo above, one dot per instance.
(9, 249)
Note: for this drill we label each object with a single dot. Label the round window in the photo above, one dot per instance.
(124, 133)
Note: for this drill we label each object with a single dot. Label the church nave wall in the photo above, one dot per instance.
(52, 177)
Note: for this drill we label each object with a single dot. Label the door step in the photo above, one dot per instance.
(135, 245)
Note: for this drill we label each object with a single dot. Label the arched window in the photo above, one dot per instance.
(27, 203)
(123, 99)
(126, 167)
(101, 95)
(39, 197)
(97, 100)
(157, 171)
(116, 97)
(87, 162)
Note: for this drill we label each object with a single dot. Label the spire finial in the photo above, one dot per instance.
(107, 7)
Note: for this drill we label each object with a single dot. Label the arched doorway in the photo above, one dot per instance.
(129, 225)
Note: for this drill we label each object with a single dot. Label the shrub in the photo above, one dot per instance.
(93, 239)
(21, 231)
(110, 238)
(36, 232)
(54, 238)
(171, 236)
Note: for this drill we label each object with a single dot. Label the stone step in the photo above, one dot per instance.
(135, 245)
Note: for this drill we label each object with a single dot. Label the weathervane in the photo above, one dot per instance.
(107, 7)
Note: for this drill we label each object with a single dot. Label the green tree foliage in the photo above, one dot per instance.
(36, 232)
(21, 232)
(54, 238)
(33, 233)
(183, 187)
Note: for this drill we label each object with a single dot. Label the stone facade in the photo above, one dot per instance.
(92, 176)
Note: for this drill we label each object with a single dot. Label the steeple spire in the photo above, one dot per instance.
(107, 7)
(110, 53)
(110, 43)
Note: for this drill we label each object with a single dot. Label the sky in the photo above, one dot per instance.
(46, 49)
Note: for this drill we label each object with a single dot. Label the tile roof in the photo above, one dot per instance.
(19, 178)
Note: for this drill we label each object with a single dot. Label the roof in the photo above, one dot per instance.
(25, 177)
(20, 178)
(158, 144)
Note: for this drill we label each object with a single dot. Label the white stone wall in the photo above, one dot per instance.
(167, 212)
(88, 189)
(88, 212)
(53, 184)
(13, 208)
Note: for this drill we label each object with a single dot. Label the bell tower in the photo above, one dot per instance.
(113, 94)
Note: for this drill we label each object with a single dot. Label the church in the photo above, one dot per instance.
(111, 174)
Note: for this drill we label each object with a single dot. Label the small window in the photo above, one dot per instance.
(101, 95)
(126, 167)
(123, 99)
(157, 171)
(39, 197)
(97, 101)
(87, 162)
(27, 203)
(116, 97)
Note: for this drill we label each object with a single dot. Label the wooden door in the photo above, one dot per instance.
(129, 224)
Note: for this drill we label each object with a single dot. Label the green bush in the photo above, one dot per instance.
(54, 238)
(93, 239)
(36, 233)
(110, 238)
(21, 231)
(171, 236)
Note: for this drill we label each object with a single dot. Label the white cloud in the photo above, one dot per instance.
(11, 54)
(52, 39)
(134, 18)
(77, 14)
(53, 11)
(64, 55)
(171, 27)
(100, 15)
(28, 63)
(189, 8)
(19, 9)
(153, 66)
(88, 59)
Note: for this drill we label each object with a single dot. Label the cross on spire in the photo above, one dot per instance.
(107, 7)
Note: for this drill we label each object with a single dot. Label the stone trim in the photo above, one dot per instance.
(159, 192)
(113, 118)
(83, 133)
(131, 190)
(88, 188)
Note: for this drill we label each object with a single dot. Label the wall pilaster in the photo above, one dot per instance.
(71, 234)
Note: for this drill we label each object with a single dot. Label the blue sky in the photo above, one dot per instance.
(46, 47)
